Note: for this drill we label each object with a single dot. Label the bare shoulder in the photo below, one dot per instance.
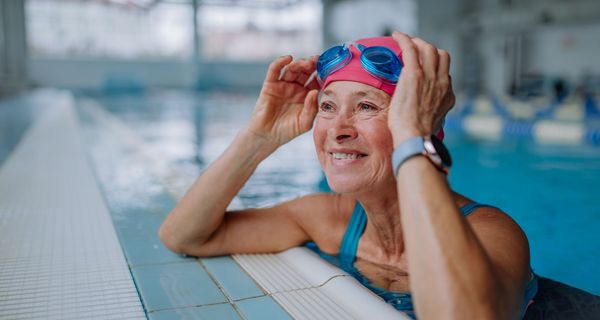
(489, 218)
(502, 238)
(324, 217)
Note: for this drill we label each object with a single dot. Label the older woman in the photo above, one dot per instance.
(392, 205)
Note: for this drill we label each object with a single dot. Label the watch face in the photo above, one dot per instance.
(441, 150)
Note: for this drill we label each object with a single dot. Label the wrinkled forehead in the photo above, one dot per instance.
(352, 90)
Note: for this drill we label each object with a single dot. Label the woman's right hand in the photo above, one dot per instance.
(286, 107)
(199, 225)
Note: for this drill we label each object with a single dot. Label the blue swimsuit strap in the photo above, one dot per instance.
(354, 231)
(358, 222)
(357, 225)
(470, 207)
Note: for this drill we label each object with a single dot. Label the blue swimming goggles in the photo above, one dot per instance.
(378, 61)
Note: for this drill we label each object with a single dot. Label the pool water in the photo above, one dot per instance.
(551, 191)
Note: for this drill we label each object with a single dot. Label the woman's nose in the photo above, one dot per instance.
(343, 129)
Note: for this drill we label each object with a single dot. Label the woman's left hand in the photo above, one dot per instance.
(424, 92)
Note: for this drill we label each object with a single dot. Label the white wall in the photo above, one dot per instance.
(496, 65)
(566, 51)
(436, 24)
(352, 20)
(551, 51)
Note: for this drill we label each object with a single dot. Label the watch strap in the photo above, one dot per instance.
(406, 150)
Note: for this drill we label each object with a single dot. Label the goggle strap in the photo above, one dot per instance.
(310, 78)
(358, 46)
(282, 72)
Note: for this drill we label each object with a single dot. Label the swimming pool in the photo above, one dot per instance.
(549, 190)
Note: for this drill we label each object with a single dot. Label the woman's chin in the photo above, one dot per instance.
(357, 184)
(341, 185)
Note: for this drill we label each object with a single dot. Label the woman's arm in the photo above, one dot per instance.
(455, 272)
(462, 270)
(202, 209)
(284, 110)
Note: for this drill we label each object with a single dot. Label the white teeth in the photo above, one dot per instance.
(337, 155)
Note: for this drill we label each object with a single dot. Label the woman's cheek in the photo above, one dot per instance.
(319, 136)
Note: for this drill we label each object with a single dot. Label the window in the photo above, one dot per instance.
(260, 30)
(145, 29)
(109, 29)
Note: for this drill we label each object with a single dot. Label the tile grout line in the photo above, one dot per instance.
(189, 307)
(218, 284)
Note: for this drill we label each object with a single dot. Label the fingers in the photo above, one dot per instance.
(450, 98)
(410, 55)
(417, 53)
(310, 109)
(444, 63)
(294, 76)
(298, 71)
(276, 66)
(428, 57)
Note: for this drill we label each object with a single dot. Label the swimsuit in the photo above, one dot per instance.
(400, 300)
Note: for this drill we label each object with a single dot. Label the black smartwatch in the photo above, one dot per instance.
(430, 146)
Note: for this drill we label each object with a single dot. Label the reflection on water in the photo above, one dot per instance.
(191, 130)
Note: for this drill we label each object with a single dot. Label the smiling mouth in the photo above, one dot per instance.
(339, 155)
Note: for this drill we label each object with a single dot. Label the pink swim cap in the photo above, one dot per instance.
(354, 71)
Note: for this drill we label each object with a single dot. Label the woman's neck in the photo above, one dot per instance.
(383, 233)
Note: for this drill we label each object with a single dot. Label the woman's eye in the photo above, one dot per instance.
(326, 107)
(367, 107)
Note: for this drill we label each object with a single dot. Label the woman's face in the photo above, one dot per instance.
(352, 138)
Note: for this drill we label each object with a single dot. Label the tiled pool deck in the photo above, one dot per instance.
(60, 257)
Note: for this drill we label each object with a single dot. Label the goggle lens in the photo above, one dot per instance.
(382, 63)
(379, 61)
(332, 60)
